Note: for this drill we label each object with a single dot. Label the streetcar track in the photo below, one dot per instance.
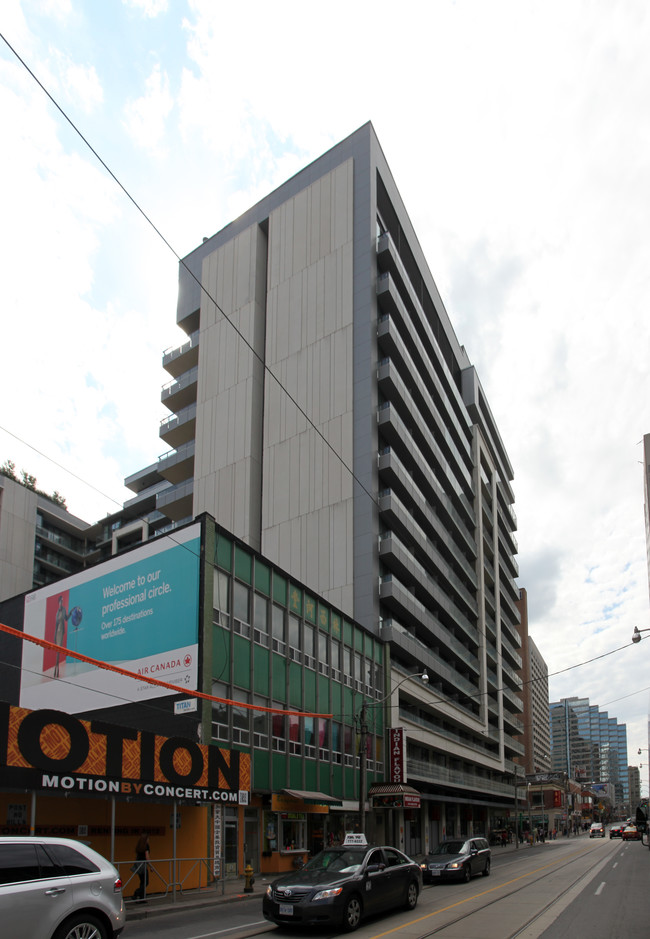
(551, 868)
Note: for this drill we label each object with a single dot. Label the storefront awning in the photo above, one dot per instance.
(393, 795)
(391, 789)
(312, 798)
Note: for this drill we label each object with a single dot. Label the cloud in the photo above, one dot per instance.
(145, 117)
(148, 8)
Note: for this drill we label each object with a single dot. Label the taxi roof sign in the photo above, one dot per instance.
(354, 837)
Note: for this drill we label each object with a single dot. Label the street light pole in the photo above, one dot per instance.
(363, 743)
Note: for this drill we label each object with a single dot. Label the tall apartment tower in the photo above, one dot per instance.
(534, 692)
(323, 411)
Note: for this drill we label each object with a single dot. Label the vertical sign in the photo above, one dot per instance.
(217, 837)
(397, 755)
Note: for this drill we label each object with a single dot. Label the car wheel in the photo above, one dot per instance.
(81, 926)
(352, 914)
(486, 869)
(411, 896)
(467, 874)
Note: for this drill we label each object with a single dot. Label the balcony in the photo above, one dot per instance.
(182, 358)
(176, 501)
(180, 428)
(456, 779)
(181, 392)
(177, 465)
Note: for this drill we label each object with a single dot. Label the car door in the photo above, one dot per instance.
(34, 894)
(398, 867)
(376, 882)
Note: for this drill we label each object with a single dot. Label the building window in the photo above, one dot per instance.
(260, 727)
(294, 639)
(310, 743)
(279, 733)
(241, 726)
(260, 620)
(308, 646)
(324, 738)
(277, 626)
(323, 654)
(221, 598)
(295, 744)
(220, 729)
(241, 603)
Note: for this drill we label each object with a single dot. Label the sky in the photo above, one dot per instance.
(518, 134)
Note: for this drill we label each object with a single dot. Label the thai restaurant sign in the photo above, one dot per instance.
(53, 751)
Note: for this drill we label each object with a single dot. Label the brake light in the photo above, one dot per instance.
(117, 886)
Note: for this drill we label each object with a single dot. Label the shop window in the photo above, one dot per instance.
(277, 626)
(293, 831)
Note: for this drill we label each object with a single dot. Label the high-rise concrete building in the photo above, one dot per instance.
(324, 412)
(589, 745)
(634, 786)
(534, 692)
(40, 541)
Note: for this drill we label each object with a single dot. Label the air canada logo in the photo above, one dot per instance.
(187, 661)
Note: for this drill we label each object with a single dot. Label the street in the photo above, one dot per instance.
(567, 888)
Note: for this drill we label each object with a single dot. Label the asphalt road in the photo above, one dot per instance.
(568, 889)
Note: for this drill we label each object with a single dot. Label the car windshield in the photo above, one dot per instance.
(450, 847)
(343, 860)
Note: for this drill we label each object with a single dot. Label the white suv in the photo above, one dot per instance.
(597, 830)
(56, 888)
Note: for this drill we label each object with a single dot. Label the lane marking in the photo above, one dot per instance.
(599, 890)
(484, 893)
(220, 932)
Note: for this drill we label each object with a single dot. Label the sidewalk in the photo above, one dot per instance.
(228, 891)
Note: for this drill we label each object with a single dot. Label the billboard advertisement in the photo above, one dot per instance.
(138, 611)
(50, 751)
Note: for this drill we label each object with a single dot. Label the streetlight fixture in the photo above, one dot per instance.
(636, 635)
(363, 733)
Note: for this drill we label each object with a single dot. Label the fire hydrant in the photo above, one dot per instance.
(249, 879)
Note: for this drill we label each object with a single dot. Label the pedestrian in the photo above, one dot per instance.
(140, 866)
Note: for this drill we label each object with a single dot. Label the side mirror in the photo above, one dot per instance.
(373, 868)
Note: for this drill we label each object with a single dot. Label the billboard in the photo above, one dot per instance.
(138, 611)
(53, 752)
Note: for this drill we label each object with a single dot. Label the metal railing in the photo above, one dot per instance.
(173, 877)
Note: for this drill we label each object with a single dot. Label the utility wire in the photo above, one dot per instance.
(185, 267)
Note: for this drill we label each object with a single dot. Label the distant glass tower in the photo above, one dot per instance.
(589, 745)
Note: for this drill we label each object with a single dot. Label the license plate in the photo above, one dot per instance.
(435, 873)
(286, 909)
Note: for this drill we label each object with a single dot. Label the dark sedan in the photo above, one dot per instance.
(457, 860)
(616, 831)
(341, 885)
